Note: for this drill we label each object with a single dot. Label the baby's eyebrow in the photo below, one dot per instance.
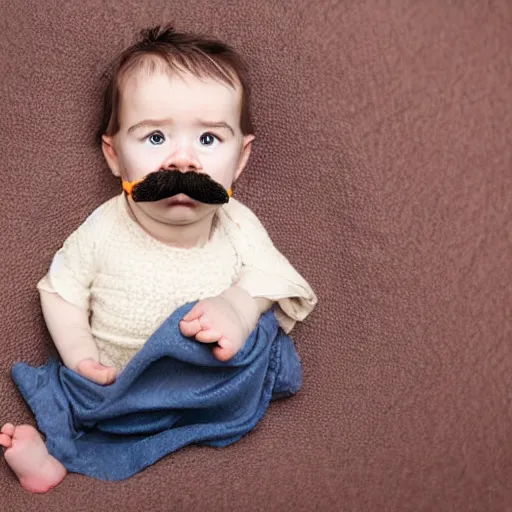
(166, 122)
(150, 122)
(215, 124)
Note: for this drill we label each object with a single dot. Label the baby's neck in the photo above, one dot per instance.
(186, 236)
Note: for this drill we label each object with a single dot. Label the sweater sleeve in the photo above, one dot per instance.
(265, 271)
(73, 267)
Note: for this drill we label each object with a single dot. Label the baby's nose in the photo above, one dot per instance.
(184, 160)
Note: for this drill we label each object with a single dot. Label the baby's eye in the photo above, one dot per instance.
(208, 139)
(156, 138)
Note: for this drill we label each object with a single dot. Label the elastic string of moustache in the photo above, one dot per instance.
(163, 184)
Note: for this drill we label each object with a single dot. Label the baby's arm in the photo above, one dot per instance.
(70, 330)
(266, 277)
(65, 294)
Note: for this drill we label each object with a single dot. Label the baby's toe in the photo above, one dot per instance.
(5, 441)
(8, 429)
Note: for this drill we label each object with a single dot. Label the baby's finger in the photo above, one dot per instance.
(111, 375)
(96, 365)
(225, 351)
(191, 328)
(104, 376)
(208, 336)
(96, 372)
(194, 313)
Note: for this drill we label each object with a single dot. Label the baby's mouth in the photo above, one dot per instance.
(181, 200)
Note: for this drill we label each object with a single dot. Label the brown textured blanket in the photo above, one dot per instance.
(382, 169)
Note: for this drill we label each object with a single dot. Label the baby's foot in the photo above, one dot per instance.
(28, 457)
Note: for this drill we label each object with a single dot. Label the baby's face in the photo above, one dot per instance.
(183, 123)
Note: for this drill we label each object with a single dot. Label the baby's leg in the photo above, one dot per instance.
(26, 454)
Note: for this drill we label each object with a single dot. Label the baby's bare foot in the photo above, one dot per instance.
(28, 457)
(97, 372)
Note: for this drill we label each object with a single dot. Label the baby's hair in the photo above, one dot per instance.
(176, 52)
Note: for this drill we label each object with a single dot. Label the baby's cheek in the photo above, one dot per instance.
(223, 171)
(140, 163)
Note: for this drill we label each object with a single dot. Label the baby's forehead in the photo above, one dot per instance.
(150, 93)
(161, 81)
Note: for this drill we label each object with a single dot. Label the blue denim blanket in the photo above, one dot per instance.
(171, 394)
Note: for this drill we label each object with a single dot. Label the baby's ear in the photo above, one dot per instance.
(244, 155)
(109, 152)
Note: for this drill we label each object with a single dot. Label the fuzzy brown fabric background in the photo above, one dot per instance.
(382, 169)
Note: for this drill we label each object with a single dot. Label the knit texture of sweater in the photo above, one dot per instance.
(130, 282)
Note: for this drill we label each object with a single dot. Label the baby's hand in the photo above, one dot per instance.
(227, 319)
(92, 370)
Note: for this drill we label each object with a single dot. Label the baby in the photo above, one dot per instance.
(177, 106)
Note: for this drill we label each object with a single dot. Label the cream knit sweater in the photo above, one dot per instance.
(130, 282)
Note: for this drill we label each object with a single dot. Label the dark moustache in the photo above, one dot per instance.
(162, 184)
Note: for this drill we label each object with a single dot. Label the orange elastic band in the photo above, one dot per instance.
(128, 186)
